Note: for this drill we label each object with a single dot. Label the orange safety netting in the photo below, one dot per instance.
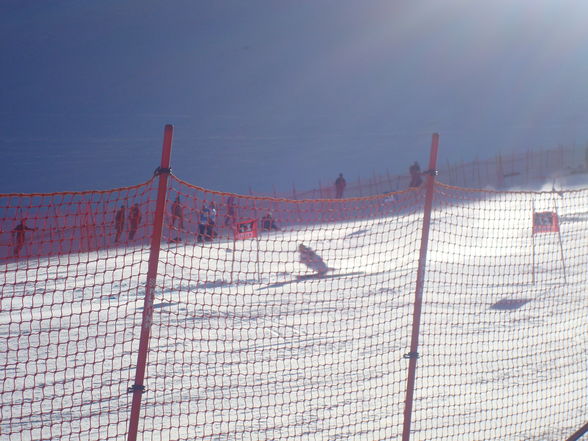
(71, 276)
(280, 319)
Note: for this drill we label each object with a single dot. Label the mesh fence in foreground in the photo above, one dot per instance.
(291, 320)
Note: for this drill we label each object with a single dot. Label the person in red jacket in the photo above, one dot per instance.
(119, 222)
(134, 221)
(19, 236)
(177, 216)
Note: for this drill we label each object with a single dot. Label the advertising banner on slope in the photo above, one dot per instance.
(245, 229)
(545, 222)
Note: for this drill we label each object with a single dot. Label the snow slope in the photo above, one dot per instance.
(243, 349)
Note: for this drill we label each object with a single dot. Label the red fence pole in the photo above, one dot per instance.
(581, 432)
(416, 319)
(137, 389)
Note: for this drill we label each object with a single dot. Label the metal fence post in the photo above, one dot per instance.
(163, 171)
(412, 356)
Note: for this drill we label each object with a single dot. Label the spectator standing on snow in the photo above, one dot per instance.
(19, 236)
(134, 221)
(210, 231)
(231, 215)
(177, 216)
(268, 223)
(119, 222)
(415, 175)
(340, 186)
(203, 222)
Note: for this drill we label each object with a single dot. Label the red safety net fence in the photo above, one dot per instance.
(504, 327)
(293, 320)
(72, 276)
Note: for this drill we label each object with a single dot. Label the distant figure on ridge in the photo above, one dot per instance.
(339, 186)
(119, 222)
(19, 236)
(134, 221)
(312, 260)
(415, 175)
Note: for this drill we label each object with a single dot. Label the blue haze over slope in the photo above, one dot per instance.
(266, 93)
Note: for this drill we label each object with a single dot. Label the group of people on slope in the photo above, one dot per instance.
(206, 221)
(120, 221)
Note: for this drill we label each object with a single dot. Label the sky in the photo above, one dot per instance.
(267, 94)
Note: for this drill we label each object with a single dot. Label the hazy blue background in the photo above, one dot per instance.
(271, 92)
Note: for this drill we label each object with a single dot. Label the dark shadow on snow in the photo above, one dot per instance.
(356, 233)
(510, 304)
(160, 305)
(305, 277)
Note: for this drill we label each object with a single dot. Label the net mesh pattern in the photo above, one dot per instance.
(72, 282)
(291, 319)
(503, 330)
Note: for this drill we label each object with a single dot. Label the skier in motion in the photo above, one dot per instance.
(312, 260)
